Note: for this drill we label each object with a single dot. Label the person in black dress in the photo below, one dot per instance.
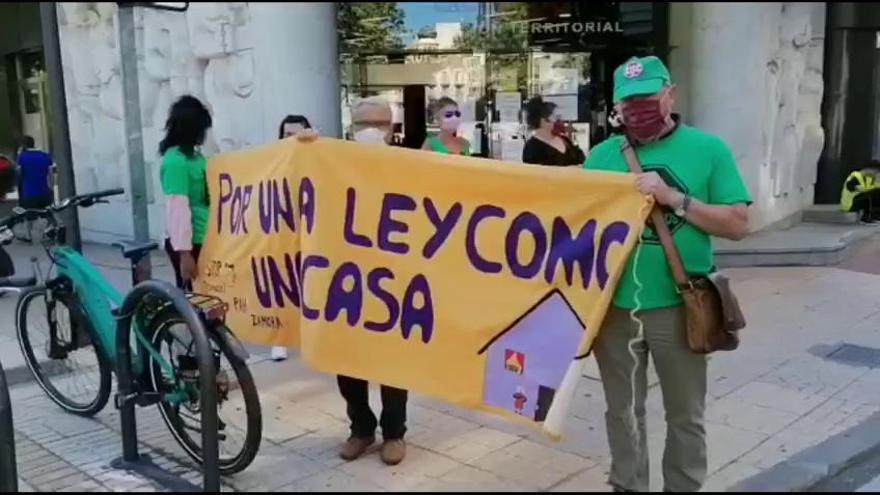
(548, 145)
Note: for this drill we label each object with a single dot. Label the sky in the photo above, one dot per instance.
(421, 14)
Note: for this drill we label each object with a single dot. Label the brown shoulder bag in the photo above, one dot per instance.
(712, 311)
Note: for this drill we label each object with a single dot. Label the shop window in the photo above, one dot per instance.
(471, 51)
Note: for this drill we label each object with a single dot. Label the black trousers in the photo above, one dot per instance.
(363, 421)
(868, 205)
(175, 263)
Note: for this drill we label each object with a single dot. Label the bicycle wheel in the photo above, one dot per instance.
(67, 367)
(239, 436)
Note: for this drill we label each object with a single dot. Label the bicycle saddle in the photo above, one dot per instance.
(135, 249)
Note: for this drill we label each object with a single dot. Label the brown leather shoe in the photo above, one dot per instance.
(355, 447)
(393, 451)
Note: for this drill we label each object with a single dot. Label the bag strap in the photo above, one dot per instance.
(673, 257)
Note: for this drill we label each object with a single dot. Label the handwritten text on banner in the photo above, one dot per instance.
(473, 281)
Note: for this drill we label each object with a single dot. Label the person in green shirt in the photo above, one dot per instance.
(447, 142)
(693, 176)
(184, 185)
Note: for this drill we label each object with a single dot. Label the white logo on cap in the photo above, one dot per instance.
(633, 69)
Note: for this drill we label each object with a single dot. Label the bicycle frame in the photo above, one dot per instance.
(97, 299)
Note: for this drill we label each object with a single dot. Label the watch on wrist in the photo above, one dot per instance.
(681, 209)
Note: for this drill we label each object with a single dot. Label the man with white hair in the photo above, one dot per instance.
(372, 124)
(371, 121)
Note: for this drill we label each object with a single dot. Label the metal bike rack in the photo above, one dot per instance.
(8, 467)
(127, 393)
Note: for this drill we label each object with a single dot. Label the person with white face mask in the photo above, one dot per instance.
(447, 114)
(371, 121)
(372, 124)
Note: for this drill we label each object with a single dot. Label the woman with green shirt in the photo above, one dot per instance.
(446, 142)
(185, 187)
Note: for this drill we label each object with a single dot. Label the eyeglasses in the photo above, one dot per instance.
(452, 113)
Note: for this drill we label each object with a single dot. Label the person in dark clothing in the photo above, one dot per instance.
(548, 145)
(372, 124)
(293, 125)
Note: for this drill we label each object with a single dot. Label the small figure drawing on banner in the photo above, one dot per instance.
(519, 400)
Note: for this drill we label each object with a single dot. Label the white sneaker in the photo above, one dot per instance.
(279, 353)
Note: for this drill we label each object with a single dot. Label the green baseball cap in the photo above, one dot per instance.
(640, 76)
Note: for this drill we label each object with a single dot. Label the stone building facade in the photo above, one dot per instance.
(749, 72)
(251, 63)
(752, 73)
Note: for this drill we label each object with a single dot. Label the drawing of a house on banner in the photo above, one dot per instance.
(527, 361)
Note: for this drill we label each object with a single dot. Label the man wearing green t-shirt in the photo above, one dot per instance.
(693, 176)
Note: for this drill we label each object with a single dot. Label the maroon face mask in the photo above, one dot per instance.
(558, 128)
(643, 120)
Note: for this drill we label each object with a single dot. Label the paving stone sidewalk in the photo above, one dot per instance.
(775, 396)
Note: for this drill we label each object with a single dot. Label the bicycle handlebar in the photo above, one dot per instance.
(85, 200)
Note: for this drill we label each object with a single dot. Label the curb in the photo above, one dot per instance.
(18, 375)
(818, 463)
(21, 375)
(795, 256)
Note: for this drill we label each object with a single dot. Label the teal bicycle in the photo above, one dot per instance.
(67, 330)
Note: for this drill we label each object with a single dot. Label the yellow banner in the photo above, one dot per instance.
(473, 281)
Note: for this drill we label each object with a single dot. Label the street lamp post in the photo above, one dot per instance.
(60, 134)
(134, 131)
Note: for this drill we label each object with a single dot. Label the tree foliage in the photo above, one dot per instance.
(508, 35)
(370, 26)
(508, 31)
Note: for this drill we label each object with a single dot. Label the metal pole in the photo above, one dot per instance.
(8, 470)
(127, 387)
(60, 131)
(126, 390)
(210, 421)
(133, 130)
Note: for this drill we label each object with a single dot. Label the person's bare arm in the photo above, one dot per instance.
(727, 221)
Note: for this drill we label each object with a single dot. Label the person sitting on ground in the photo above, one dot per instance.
(446, 142)
(861, 193)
